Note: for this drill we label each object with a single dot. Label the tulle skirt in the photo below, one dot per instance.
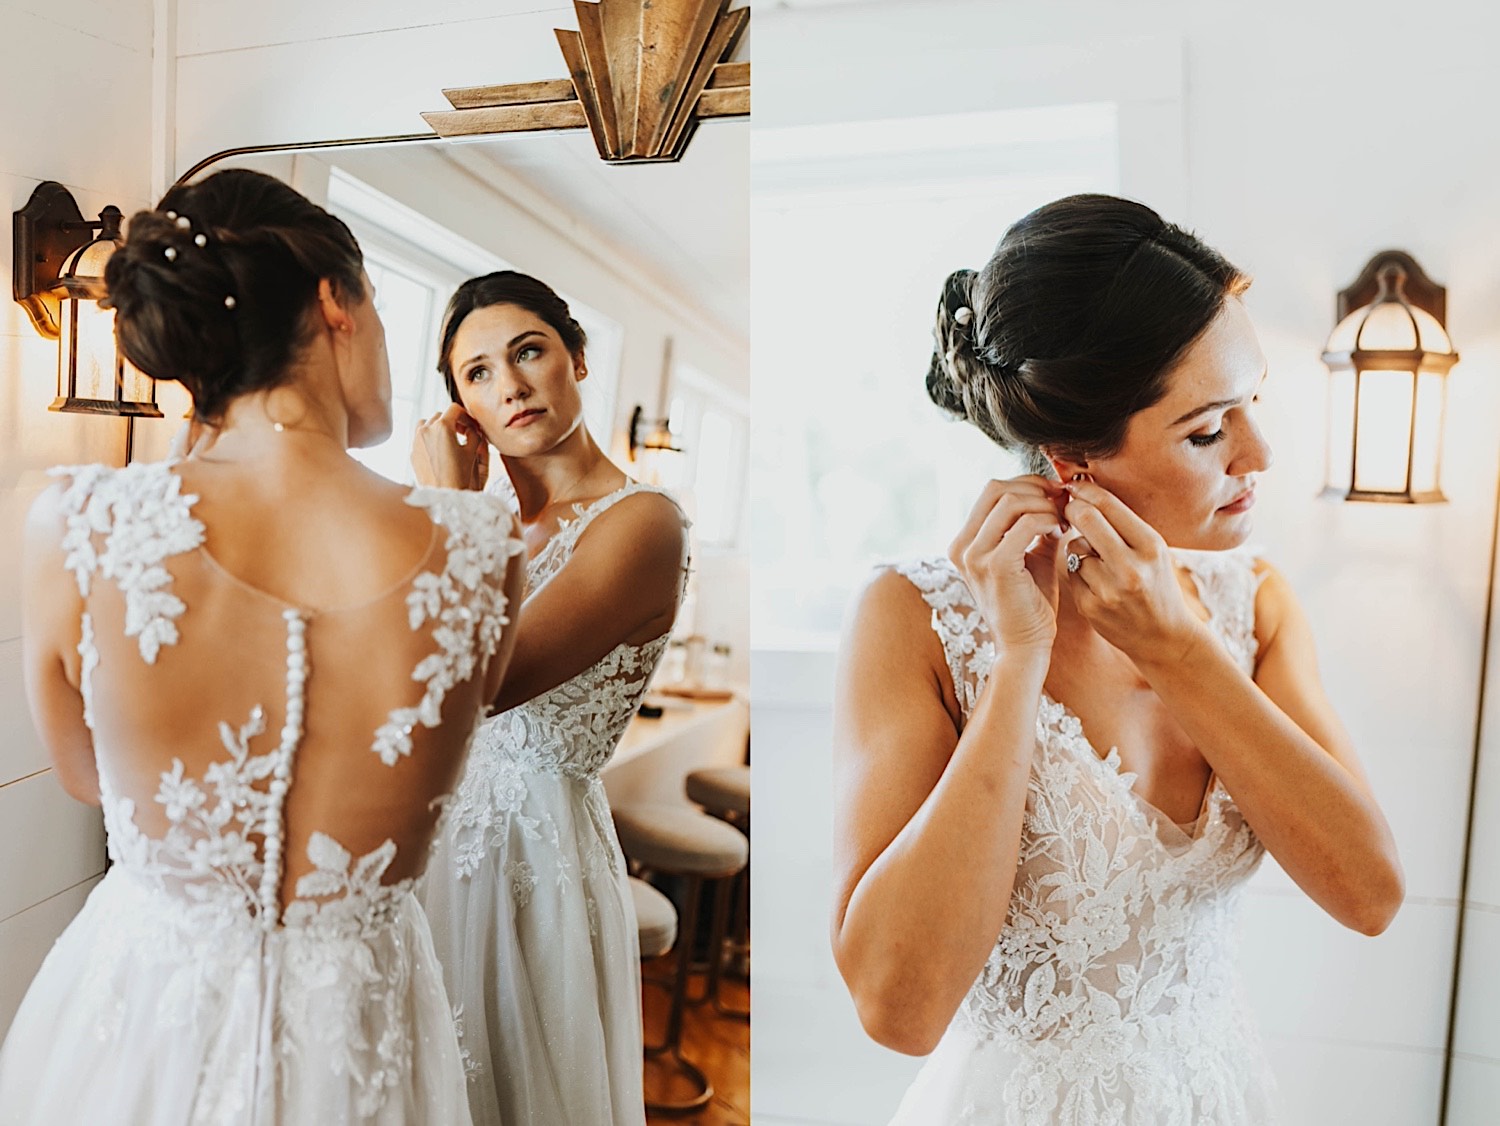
(1096, 1079)
(533, 923)
(149, 1011)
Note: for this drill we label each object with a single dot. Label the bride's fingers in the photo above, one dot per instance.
(1132, 530)
(1006, 513)
(1024, 531)
(994, 492)
(1104, 541)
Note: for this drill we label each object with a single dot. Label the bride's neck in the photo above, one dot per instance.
(284, 423)
(572, 470)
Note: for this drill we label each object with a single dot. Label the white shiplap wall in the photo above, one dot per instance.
(75, 80)
(1277, 112)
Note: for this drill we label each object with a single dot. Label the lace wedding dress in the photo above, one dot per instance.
(531, 912)
(1110, 998)
(270, 780)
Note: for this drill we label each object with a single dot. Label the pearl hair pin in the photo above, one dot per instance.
(963, 315)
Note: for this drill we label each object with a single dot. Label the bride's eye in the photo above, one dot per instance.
(1207, 439)
(529, 352)
(473, 375)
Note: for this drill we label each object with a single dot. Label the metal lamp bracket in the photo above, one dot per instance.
(48, 229)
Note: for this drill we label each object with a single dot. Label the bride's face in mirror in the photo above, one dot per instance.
(1189, 461)
(517, 379)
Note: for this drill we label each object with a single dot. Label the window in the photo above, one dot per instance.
(856, 228)
(713, 425)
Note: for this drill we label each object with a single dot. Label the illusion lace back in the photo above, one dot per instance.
(527, 893)
(1110, 998)
(271, 778)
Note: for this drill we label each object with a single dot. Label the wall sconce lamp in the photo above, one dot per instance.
(58, 277)
(650, 434)
(1389, 357)
(653, 448)
(652, 445)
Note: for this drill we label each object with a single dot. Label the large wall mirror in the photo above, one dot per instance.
(653, 259)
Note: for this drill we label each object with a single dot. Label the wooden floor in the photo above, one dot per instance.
(719, 1045)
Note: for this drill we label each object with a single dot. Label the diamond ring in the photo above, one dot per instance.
(1074, 561)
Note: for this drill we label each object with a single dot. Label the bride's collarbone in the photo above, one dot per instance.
(1120, 712)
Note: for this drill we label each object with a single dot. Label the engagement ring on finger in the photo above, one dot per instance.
(1074, 561)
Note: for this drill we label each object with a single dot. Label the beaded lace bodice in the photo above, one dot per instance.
(1113, 978)
(571, 730)
(214, 840)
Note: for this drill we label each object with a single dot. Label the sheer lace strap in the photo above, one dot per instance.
(465, 604)
(587, 514)
(955, 619)
(122, 525)
(1227, 583)
(547, 562)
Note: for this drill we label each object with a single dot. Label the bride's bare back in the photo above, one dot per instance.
(340, 638)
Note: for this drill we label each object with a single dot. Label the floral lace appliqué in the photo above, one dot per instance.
(197, 888)
(569, 732)
(1112, 983)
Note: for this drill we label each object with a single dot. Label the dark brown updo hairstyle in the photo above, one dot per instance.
(505, 287)
(1074, 325)
(214, 289)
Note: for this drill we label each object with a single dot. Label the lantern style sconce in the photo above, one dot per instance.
(59, 279)
(1389, 357)
(652, 446)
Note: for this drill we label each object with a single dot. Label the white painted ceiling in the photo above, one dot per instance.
(686, 225)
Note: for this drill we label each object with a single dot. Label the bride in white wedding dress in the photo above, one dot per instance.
(266, 664)
(1064, 747)
(531, 912)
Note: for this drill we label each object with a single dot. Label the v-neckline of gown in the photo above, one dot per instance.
(1111, 765)
(1111, 762)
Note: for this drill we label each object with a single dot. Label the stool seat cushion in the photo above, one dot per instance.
(655, 919)
(723, 789)
(680, 839)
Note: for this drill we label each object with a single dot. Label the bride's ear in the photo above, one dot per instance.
(580, 367)
(1066, 464)
(335, 317)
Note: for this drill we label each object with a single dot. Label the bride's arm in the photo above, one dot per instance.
(927, 822)
(622, 583)
(1274, 740)
(51, 617)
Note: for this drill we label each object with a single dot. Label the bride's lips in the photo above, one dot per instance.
(524, 418)
(1241, 503)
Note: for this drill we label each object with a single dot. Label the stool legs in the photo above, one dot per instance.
(723, 897)
(671, 1045)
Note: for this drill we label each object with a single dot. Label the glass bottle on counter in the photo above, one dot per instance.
(674, 662)
(716, 668)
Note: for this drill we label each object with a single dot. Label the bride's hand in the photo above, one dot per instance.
(450, 450)
(1007, 554)
(1126, 584)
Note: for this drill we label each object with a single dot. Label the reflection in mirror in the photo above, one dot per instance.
(652, 263)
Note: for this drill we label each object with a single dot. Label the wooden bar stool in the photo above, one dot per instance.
(724, 792)
(678, 840)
